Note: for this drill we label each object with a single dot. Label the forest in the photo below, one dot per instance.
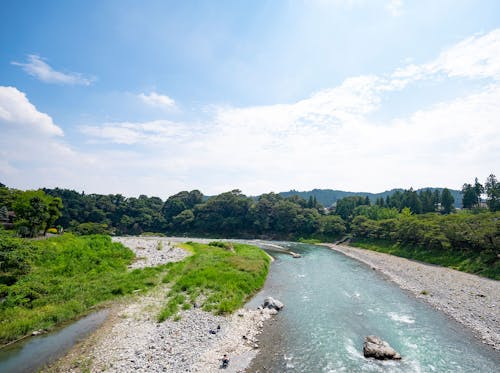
(425, 220)
(230, 214)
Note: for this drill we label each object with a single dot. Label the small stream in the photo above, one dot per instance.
(34, 353)
(332, 302)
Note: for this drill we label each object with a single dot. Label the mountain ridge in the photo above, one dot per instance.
(327, 197)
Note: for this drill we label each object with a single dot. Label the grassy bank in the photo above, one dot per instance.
(481, 263)
(46, 282)
(220, 277)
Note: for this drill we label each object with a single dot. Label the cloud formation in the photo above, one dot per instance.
(395, 7)
(16, 110)
(332, 139)
(157, 100)
(38, 68)
(158, 131)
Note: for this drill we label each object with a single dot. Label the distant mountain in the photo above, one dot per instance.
(328, 197)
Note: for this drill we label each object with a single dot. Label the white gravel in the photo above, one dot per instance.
(152, 251)
(137, 342)
(469, 299)
(132, 340)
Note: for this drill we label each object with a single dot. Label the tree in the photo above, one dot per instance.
(54, 211)
(227, 213)
(332, 226)
(436, 198)
(447, 201)
(345, 206)
(411, 200)
(427, 199)
(179, 202)
(478, 189)
(184, 220)
(32, 212)
(492, 187)
(469, 197)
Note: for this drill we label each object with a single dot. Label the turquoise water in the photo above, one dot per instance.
(332, 302)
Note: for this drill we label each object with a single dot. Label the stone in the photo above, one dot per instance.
(272, 303)
(379, 349)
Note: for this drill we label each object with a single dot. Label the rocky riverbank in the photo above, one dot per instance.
(469, 299)
(132, 339)
(152, 251)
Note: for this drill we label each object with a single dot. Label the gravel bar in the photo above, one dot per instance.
(132, 340)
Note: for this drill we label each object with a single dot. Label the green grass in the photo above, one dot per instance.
(44, 283)
(482, 263)
(219, 278)
(312, 241)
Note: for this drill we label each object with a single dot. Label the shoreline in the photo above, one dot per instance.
(131, 339)
(471, 300)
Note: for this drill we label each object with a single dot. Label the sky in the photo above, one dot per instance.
(156, 97)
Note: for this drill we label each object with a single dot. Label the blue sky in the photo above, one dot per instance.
(154, 97)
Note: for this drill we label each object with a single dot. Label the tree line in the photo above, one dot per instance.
(230, 214)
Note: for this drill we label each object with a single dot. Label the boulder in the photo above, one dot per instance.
(379, 349)
(272, 303)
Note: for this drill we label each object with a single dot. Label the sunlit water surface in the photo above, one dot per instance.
(333, 302)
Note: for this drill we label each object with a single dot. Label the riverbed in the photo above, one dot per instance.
(333, 302)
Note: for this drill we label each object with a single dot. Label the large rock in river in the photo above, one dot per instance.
(272, 303)
(379, 349)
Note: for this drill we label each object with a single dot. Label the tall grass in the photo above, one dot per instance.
(218, 279)
(62, 278)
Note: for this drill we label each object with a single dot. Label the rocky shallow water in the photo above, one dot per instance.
(471, 300)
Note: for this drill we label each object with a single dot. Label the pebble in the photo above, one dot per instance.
(152, 251)
(137, 342)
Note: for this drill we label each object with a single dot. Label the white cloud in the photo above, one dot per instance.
(475, 58)
(395, 7)
(159, 131)
(38, 68)
(161, 101)
(328, 140)
(16, 110)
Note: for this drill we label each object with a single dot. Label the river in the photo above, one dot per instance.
(32, 354)
(333, 302)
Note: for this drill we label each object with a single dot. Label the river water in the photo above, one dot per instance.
(332, 302)
(32, 354)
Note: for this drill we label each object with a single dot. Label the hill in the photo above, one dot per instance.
(328, 197)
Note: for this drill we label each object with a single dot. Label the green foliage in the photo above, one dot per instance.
(16, 258)
(121, 215)
(91, 228)
(35, 211)
(220, 279)
(483, 264)
(312, 241)
(492, 188)
(447, 201)
(222, 245)
(346, 206)
(466, 235)
(50, 281)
